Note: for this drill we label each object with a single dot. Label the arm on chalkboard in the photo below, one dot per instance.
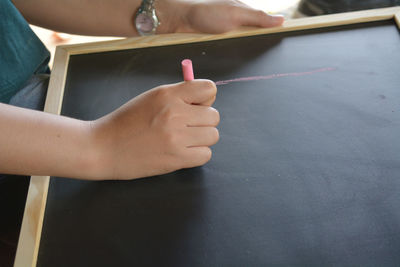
(162, 130)
(115, 17)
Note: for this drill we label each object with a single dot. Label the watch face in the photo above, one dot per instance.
(144, 23)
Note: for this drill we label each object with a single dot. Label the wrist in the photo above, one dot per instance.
(102, 156)
(93, 163)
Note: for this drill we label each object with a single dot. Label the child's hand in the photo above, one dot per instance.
(210, 16)
(162, 130)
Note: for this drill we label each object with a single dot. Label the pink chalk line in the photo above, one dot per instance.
(274, 76)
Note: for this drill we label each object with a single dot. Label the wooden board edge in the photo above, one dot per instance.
(290, 25)
(31, 228)
(32, 222)
(55, 90)
(397, 19)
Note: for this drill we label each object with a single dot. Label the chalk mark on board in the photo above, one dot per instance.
(274, 76)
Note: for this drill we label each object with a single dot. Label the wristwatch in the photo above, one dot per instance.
(146, 20)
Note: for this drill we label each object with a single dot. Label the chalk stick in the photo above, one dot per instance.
(187, 69)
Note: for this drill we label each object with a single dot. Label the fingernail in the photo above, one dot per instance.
(278, 19)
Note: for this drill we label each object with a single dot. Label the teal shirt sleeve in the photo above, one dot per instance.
(22, 54)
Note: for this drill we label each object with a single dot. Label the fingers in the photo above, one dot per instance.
(200, 92)
(201, 136)
(257, 18)
(201, 116)
(188, 121)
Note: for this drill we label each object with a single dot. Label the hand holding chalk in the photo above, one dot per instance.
(187, 70)
(167, 128)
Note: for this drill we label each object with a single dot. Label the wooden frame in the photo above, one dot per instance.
(29, 240)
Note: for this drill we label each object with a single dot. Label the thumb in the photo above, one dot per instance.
(201, 92)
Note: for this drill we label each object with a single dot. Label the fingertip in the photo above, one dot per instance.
(209, 84)
(277, 20)
(271, 20)
(259, 18)
(207, 81)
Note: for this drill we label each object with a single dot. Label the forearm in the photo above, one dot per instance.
(86, 17)
(38, 143)
(167, 128)
(116, 17)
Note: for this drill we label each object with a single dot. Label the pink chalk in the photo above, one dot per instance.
(187, 69)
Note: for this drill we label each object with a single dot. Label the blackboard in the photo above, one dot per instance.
(307, 170)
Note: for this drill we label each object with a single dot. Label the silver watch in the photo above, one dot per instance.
(146, 20)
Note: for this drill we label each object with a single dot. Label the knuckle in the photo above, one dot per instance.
(163, 93)
(260, 14)
(167, 115)
(171, 114)
(163, 119)
(171, 140)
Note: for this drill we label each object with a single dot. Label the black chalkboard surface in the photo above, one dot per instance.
(307, 170)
